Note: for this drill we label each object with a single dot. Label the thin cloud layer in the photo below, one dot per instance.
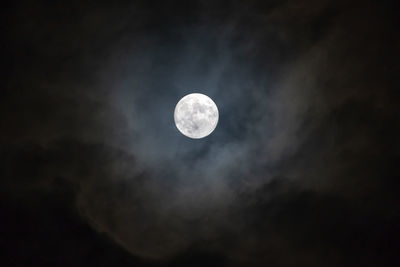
(299, 172)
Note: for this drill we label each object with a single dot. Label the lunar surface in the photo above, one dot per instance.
(196, 115)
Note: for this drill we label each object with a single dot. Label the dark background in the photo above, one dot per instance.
(302, 169)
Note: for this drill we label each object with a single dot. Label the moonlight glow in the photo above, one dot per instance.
(196, 115)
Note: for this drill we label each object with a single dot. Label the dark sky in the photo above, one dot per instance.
(302, 169)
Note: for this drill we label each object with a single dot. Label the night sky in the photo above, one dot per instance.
(302, 169)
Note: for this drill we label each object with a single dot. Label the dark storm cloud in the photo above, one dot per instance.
(299, 172)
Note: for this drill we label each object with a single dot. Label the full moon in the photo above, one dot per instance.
(196, 115)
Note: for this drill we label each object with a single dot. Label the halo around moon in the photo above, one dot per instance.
(196, 115)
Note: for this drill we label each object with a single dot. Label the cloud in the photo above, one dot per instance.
(300, 163)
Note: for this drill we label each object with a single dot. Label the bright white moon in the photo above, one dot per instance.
(196, 115)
